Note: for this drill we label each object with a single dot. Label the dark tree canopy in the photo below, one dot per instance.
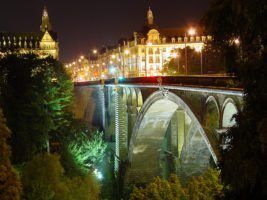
(244, 161)
(10, 186)
(36, 95)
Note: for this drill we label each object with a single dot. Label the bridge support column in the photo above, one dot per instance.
(181, 130)
(103, 107)
(132, 115)
(120, 130)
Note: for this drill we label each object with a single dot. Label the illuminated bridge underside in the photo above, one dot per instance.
(147, 153)
(158, 131)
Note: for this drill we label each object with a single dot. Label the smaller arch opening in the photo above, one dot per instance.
(229, 110)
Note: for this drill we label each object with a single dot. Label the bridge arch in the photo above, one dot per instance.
(212, 113)
(229, 109)
(150, 129)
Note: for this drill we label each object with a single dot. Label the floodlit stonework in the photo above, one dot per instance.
(43, 43)
(146, 52)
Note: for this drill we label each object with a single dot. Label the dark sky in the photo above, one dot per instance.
(85, 24)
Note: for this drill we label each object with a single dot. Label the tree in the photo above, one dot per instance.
(36, 96)
(206, 187)
(244, 160)
(10, 186)
(87, 152)
(43, 178)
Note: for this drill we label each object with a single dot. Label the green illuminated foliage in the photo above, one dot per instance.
(87, 152)
(10, 187)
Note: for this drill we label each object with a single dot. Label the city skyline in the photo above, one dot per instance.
(77, 34)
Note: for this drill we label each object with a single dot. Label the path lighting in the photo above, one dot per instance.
(98, 174)
(94, 51)
(237, 41)
(199, 50)
(191, 32)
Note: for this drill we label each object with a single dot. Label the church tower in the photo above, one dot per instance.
(150, 17)
(46, 25)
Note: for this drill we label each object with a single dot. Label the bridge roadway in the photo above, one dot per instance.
(161, 125)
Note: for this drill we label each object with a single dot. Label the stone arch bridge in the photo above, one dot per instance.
(161, 125)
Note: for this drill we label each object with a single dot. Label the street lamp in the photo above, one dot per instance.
(190, 32)
(126, 52)
(199, 50)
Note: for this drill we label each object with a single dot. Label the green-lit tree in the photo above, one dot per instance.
(87, 152)
(244, 161)
(10, 186)
(36, 95)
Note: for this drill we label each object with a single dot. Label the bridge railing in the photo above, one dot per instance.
(200, 81)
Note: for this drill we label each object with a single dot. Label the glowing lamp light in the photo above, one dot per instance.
(174, 55)
(149, 43)
(198, 49)
(82, 57)
(98, 174)
(121, 78)
(126, 51)
(192, 31)
(111, 62)
(237, 41)
(80, 60)
(112, 70)
(113, 56)
(94, 51)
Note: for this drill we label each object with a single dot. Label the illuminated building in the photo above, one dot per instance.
(147, 51)
(43, 43)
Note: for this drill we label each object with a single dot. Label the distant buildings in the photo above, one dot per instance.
(146, 52)
(43, 43)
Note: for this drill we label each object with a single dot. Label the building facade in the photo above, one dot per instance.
(146, 52)
(44, 43)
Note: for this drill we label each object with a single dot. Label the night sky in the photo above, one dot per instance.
(85, 24)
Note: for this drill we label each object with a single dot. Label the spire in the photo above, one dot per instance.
(150, 17)
(46, 25)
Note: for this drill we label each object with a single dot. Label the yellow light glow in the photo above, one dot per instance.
(134, 56)
(192, 31)
(111, 62)
(149, 43)
(174, 55)
(198, 48)
(95, 51)
(113, 56)
(237, 41)
(126, 51)
(82, 57)
(80, 60)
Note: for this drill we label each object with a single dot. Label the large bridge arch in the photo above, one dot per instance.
(150, 129)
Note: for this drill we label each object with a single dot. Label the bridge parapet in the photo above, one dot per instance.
(195, 81)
